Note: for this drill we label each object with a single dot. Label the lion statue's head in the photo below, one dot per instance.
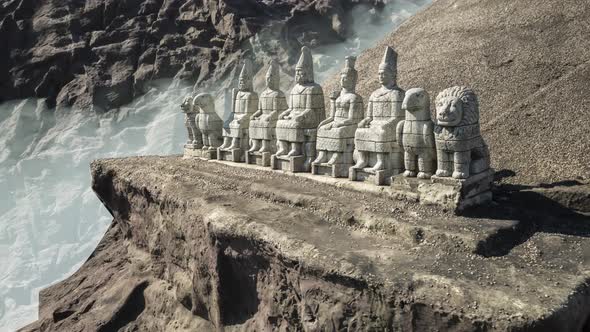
(456, 106)
(187, 105)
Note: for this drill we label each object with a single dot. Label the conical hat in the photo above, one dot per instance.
(246, 73)
(305, 62)
(389, 61)
(349, 65)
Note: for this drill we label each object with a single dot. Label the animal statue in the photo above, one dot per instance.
(415, 135)
(461, 151)
(208, 122)
(194, 136)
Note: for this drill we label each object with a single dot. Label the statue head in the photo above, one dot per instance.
(417, 102)
(348, 75)
(456, 106)
(304, 67)
(245, 80)
(187, 104)
(273, 76)
(204, 102)
(388, 68)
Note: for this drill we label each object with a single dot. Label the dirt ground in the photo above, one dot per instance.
(206, 246)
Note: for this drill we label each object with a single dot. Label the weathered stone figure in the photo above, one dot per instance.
(461, 151)
(336, 134)
(415, 135)
(208, 123)
(297, 126)
(194, 136)
(375, 138)
(235, 132)
(263, 123)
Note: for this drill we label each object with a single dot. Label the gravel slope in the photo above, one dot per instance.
(528, 60)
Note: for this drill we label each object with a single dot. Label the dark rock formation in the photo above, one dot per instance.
(529, 63)
(200, 246)
(104, 52)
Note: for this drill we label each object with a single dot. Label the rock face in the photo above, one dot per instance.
(529, 64)
(190, 250)
(102, 53)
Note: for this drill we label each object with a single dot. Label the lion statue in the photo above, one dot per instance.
(461, 151)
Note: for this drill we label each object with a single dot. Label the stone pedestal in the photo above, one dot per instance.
(191, 151)
(200, 153)
(293, 164)
(447, 192)
(379, 178)
(235, 155)
(258, 158)
(333, 170)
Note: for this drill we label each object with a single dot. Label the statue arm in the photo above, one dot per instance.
(396, 108)
(330, 118)
(400, 133)
(428, 134)
(369, 117)
(286, 112)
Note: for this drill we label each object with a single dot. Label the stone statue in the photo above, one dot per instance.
(461, 150)
(336, 134)
(375, 140)
(415, 134)
(208, 123)
(263, 123)
(297, 126)
(194, 136)
(235, 131)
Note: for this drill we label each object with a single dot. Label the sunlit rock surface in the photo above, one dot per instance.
(189, 250)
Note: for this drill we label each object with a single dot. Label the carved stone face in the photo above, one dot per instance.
(347, 81)
(300, 76)
(243, 85)
(186, 105)
(449, 111)
(386, 77)
(272, 81)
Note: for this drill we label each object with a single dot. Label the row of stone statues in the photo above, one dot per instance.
(395, 136)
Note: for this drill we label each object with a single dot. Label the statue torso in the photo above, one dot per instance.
(272, 100)
(245, 103)
(387, 104)
(346, 103)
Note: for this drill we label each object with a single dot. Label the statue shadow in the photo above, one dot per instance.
(545, 208)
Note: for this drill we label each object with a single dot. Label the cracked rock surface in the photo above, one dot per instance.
(102, 53)
(198, 245)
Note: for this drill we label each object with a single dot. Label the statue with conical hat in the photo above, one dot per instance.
(263, 123)
(297, 126)
(375, 140)
(336, 134)
(235, 130)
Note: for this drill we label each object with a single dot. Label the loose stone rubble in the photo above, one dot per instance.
(443, 162)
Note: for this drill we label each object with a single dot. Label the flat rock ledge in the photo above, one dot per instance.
(202, 246)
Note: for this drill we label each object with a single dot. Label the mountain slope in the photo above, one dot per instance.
(529, 63)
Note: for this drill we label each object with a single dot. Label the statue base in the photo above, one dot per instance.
(333, 170)
(258, 158)
(447, 192)
(292, 164)
(235, 155)
(380, 178)
(200, 153)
